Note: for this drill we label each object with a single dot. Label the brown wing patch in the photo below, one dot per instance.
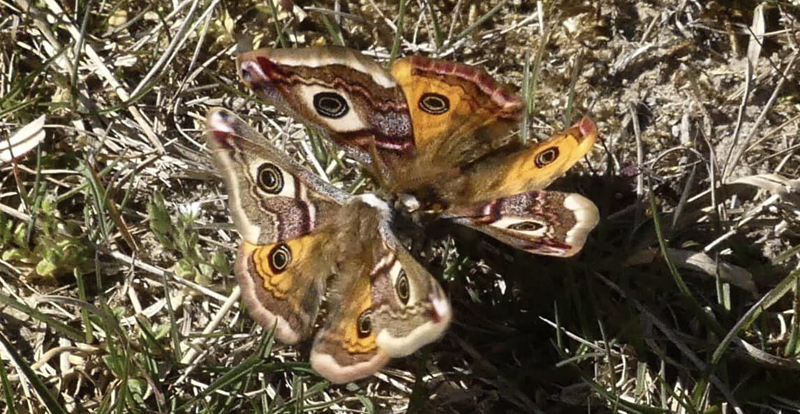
(541, 222)
(334, 89)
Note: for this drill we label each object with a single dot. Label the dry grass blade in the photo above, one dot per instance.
(702, 263)
(22, 141)
(696, 106)
(787, 189)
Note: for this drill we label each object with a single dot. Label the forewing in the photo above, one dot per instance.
(282, 213)
(459, 112)
(336, 90)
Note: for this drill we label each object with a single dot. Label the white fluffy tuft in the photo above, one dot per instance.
(217, 121)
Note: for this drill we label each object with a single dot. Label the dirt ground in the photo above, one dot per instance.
(116, 239)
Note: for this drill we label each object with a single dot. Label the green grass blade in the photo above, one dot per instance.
(683, 288)
(237, 373)
(477, 23)
(278, 29)
(41, 389)
(26, 84)
(58, 326)
(333, 30)
(398, 38)
(527, 93)
(8, 391)
(576, 70)
(84, 313)
(173, 326)
(438, 34)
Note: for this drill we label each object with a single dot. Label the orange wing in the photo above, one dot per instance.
(532, 168)
(458, 112)
(345, 348)
(383, 303)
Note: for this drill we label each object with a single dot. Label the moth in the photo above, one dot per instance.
(298, 232)
(437, 136)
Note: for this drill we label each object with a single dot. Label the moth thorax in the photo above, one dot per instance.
(363, 216)
(374, 202)
(408, 202)
(430, 199)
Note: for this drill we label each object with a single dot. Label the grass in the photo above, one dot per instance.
(116, 290)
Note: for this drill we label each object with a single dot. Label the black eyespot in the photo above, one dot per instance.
(525, 226)
(330, 105)
(270, 178)
(434, 104)
(365, 324)
(246, 76)
(279, 258)
(402, 288)
(546, 157)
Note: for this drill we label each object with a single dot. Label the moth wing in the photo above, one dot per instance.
(459, 112)
(410, 307)
(382, 305)
(531, 168)
(345, 348)
(542, 222)
(336, 90)
(282, 213)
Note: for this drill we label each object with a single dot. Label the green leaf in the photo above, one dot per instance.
(20, 235)
(48, 204)
(366, 402)
(206, 269)
(137, 389)
(161, 331)
(15, 255)
(184, 269)
(160, 222)
(46, 268)
(114, 363)
(203, 274)
(220, 263)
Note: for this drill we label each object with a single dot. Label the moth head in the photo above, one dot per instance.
(255, 73)
(408, 202)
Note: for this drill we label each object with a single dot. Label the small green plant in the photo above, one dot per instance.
(50, 247)
(181, 237)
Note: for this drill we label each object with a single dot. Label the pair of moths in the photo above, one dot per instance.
(438, 137)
